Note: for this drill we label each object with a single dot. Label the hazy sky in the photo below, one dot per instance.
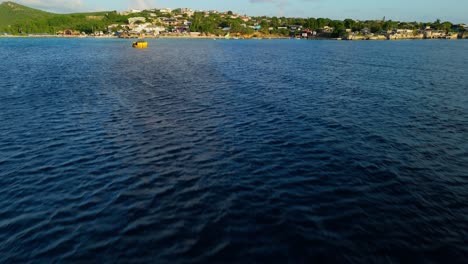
(407, 10)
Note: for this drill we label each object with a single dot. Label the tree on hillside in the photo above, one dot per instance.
(274, 22)
(235, 25)
(203, 24)
(322, 22)
(311, 24)
(264, 27)
(349, 23)
(337, 24)
(446, 26)
(436, 24)
(390, 25)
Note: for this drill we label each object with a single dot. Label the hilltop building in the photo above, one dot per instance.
(187, 11)
(165, 10)
(134, 20)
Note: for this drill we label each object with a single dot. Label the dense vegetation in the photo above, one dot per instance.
(277, 25)
(18, 19)
(14, 14)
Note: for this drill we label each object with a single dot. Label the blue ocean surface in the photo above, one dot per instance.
(233, 151)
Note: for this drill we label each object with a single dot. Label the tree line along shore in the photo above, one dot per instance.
(19, 20)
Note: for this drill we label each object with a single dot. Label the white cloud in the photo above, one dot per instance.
(54, 5)
(141, 4)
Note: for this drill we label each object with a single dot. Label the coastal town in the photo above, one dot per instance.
(189, 23)
(168, 22)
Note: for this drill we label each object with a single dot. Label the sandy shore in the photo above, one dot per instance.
(196, 37)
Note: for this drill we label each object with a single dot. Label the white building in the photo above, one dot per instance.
(148, 28)
(133, 20)
(187, 11)
(404, 31)
(165, 10)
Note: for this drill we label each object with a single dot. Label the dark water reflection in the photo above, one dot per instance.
(233, 151)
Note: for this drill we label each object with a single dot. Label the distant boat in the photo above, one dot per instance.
(140, 44)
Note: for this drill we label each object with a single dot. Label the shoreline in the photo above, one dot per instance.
(215, 38)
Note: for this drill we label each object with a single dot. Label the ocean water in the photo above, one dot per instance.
(260, 151)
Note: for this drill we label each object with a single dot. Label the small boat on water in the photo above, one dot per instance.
(140, 44)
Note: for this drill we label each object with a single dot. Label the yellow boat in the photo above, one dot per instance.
(140, 44)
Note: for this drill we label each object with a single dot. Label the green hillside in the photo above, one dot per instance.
(19, 19)
(12, 13)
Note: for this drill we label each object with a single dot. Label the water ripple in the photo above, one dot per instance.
(233, 151)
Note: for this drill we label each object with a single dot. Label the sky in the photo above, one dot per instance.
(401, 10)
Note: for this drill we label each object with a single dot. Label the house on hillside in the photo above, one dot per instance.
(307, 33)
(134, 20)
(326, 29)
(182, 29)
(68, 32)
(434, 34)
(112, 27)
(256, 28)
(245, 18)
(366, 31)
(187, 11)
(404, 31)
(165, 10)
(142, 28)
(169, 22)
(295, 27)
